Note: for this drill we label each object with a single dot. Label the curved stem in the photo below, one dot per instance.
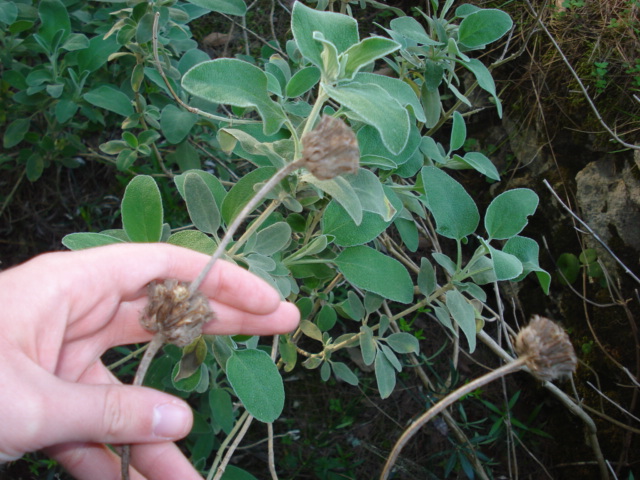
(237, 221)
(444, 403)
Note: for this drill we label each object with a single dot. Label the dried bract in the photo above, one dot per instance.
(547, 349)
(174, 312)
(330, 149)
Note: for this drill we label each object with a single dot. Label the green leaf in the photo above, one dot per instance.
(485, 80)
(201, 204)
(75, 41)
(341, 191)
(344, 373)
(464, 315)
(8, 13)
(15, 132)
(54, 17)
(483, 27)
(337, 222)
(142, 210)
(569, 265)
(111, 99)
(176, 123)
(311, 330)
(373, 271)
(212, 182)
(326, 318)
(338, 29)
(411, 28)
(257, 383)
(272, 239)
(458, 132)
(398, 89)
(375, 106)
(368, 345)
(432, 106)
(480, 163)
(527, 251)
(35, 166)
(403, 342)
(507, 214)
(230, 7)
(97, 53)
(426, 278)
(65, 110)
(454, 210)
(236, 473)
(221, 409)
(193, 356)
(80, 241)
(302, 81)
(365, 52)
(242, 192)
(237, 83)
(505, 265)
(193, 239)
(385, 376)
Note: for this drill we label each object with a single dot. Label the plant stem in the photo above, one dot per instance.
(237, 221)
(444, 403)
(154, 345)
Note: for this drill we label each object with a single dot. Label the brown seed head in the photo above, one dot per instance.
(330, 149)
(175, 313)
(547, 348)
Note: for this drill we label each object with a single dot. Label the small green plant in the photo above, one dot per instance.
(599, 73)
(570, 267)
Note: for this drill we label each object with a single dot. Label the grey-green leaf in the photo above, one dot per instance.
(344, 373)
(375, 106)
(403, 342)
(371, 270)
(507, 214)
(452, 207)
(340, 30)
(142, 211)
(79, 241)
(367, 345)
(464, 315)
(483, 27)
(385, 376)
(257, 383)
(201, 204)
(234, 82)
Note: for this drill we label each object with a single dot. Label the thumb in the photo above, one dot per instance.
(112, 414)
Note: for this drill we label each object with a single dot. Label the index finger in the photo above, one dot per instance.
(126, 269)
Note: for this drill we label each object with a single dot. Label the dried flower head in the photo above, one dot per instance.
(175, 312)
(546, 348)
(330, 149)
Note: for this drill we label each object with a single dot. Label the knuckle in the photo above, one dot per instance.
(116, 419)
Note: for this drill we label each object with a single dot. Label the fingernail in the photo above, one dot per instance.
(171, 420)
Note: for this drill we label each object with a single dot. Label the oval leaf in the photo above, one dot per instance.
(464, 315)
(142, 210)
(454, 210)
(483, 27)
(373, 271)
(507, 214)
(235, 82)
(201, 204)
(257, 383)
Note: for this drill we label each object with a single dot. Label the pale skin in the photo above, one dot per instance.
(61, 311)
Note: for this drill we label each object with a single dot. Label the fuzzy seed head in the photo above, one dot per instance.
(330, 149)
(175, 313)
(547, 348)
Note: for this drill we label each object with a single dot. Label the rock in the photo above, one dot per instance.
(609, 202)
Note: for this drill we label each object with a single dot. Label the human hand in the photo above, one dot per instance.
(61, 311)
